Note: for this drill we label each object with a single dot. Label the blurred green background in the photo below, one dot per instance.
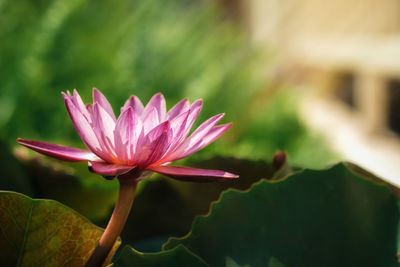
(181, 48)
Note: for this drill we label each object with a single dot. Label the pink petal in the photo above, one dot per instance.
(77, 100)
(103, 126)
(181, 107)
(194, 111)
(135, 103)
(150, 120)
(127, 132)
(82, 126)
(155, 133)
(156, 102)
(103, 121)
(99, 98)
(121, 149)
(206, 126)
(200, 132)
(178, 126)
(195, 137)
(213, 134)
(59, 152)
(183, 131)
(105, 168)
(159, 147)
(154, 144)
(192, 174)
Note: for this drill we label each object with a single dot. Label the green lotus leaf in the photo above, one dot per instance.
(166, 207)
(36, 232)
(332, 217)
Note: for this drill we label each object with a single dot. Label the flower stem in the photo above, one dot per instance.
(127, 190)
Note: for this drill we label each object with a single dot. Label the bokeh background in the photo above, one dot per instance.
(316, 79)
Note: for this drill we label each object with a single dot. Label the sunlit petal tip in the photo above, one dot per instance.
(58, 152)
(99, 98)
(158, 102)
(219, 116)
(213, 134)
(134, 102)
(64, 95)
(198, 102)
(183, 103)
(134, 98)
(196, 107)
(193, 174)
(97, 95)
(67, 94)
(226, 126)
(156, 99)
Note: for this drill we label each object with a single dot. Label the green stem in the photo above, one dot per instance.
(127, 190)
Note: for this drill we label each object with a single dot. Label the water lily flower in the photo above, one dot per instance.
(143, 140)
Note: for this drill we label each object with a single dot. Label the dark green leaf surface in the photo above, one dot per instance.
(167, 207)
(178, 256)
(332, 217)
(44, 233)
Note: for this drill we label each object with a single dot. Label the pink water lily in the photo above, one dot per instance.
(144, 139)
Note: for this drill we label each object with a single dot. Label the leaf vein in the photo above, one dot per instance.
(14, 221)
(28, 221)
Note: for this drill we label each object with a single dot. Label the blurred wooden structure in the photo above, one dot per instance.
(341, 45)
